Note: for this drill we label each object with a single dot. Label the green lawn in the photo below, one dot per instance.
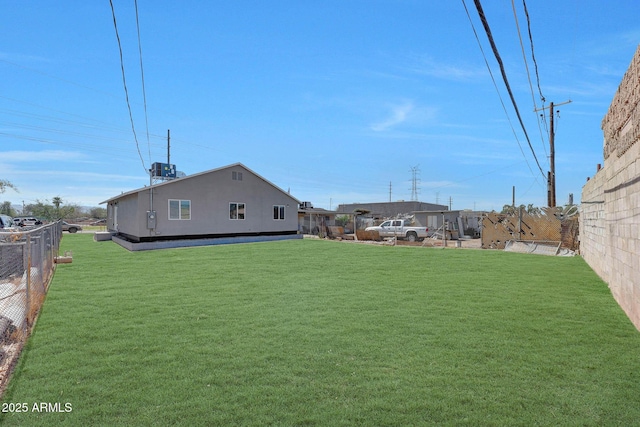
(310, 332)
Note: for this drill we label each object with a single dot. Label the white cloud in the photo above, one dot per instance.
(14, 58)
(430, 67)
(79, 176)
(406, 113)
(40, 156)
(398, 115)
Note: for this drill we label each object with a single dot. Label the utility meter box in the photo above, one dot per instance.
(151, 220)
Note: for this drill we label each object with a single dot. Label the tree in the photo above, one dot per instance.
(49, 212)
(41, 210)
(69, 212)
(342, 220)
(533, 210)
(7, 209)
(4, 185)
(98, 213)
(530, 209)
(510, 209)
(57, 201)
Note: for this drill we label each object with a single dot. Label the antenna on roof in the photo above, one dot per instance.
(165, 171)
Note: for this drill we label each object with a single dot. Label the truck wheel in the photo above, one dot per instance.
(412, 236)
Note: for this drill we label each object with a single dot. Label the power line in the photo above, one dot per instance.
(124, 82)
(487, 29)
(533, 56)
(535, 64)
(475, 177)
(495, 85)
(144, 93)
(95, 148)
(88, 123)
(526, 66)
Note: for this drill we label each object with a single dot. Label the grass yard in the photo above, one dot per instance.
(310, 332)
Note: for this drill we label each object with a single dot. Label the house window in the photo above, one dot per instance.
(236, 176)
(278, 212)
(236, 210)
(180, 209)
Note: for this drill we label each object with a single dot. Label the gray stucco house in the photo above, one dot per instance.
(224, 205)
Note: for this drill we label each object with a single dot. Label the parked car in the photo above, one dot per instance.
(6, 222)
(71, 228)
(25, 221)
(398, 228)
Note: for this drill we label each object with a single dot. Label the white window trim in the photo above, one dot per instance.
(180, 218)
(283, 209)
(237, 211)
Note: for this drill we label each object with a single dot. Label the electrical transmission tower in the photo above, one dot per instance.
(415, 180)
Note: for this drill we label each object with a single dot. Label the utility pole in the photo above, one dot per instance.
(168, 146)
(389, 191)
(552, 160)
(551, 176)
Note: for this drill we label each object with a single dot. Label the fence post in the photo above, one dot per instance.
(28, 284)
(520, 223)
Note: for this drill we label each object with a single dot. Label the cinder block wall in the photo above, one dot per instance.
(610, 206)
(593, 242)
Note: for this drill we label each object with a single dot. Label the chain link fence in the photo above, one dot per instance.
(27, 264)
(553, 226)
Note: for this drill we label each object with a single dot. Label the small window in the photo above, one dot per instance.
(236, 176)
(180, 209)
(278, 212)
(236, 210)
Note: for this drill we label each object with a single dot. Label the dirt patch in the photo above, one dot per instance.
(462, 243)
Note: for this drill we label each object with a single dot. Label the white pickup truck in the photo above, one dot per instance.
(397, 228)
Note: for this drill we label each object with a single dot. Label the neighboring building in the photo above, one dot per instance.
(457, 224)
(314, 220)
(389, 209)
(224, 205)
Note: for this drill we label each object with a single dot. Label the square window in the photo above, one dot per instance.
(179, 209)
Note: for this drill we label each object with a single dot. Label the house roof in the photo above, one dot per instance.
(389, 209)
(145, 188)
(318, 211)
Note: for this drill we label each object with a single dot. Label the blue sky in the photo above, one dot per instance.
(336, 101)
